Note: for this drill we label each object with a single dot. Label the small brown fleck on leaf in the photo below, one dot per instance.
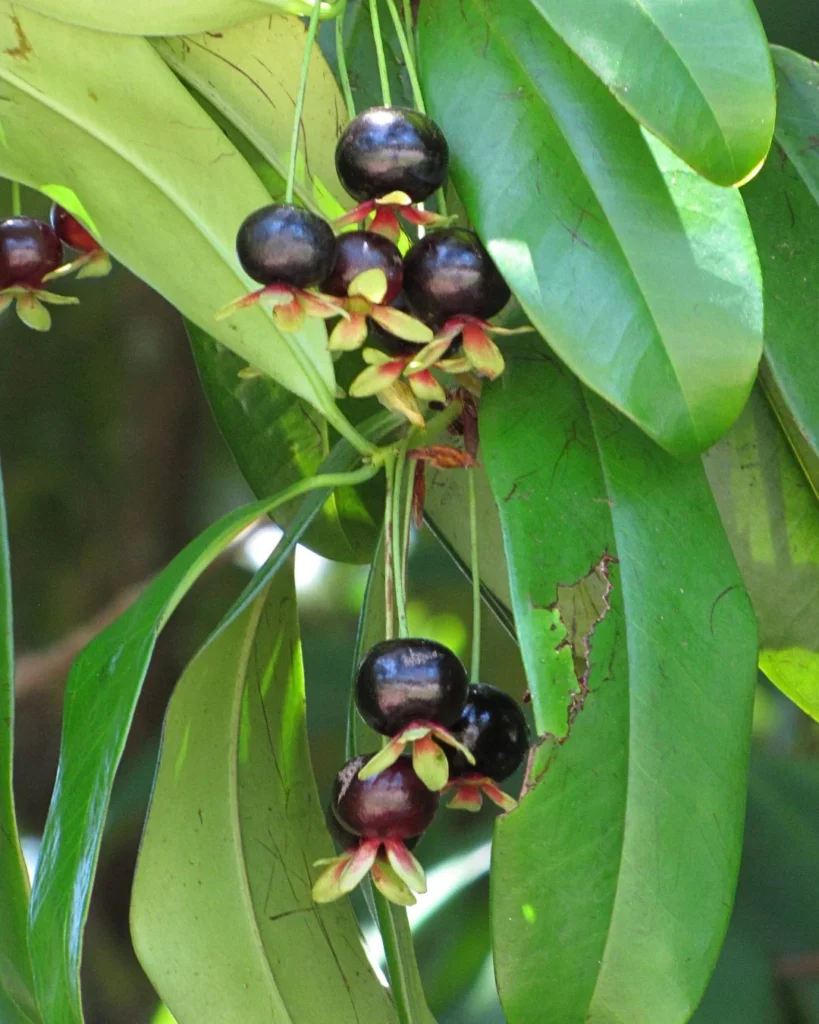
(24, 47)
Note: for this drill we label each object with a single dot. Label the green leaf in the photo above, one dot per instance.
(251, 74)
(640, 651)
(783, 204)
(641, 275)
(17, 1005)
(277, 439)
(101, 694)
(103, 116)
(698, 76)
(161, 17)
(235, 824)
(772, 519)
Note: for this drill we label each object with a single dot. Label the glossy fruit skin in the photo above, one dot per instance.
(71, 231)
(394, 804)
(29, 249)
(284, 243)
(401, 681)
(449, 273)
(392, 149)
(345, 840)
(358, 251)
(494, 729)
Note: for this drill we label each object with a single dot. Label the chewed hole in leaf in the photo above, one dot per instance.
(582, 606)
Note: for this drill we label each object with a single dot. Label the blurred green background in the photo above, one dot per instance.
(112, 463)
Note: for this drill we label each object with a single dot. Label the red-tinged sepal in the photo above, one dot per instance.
(362, 859)
(289, 316)
(402, 325)
(425, 218)
(456, 366)
(350, 334)
(497, 796)
(444, 456)
(398, 397)
(389, 884)
(426, 387)
(6, 300)
(356, 215)
(97, 264)
(327, 887)
(386, 223)
(33, 313)
(320, 306)
(385, 757)
(405, 865)
(377, 378)
(430, 763)
(370, 284)
(483, 354)
(429, 354)
(269, 296)
(466, 798)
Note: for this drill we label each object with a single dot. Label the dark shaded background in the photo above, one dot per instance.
(112, 463)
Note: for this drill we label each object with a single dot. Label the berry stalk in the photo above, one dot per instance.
(392, 953)
(16, 204)
(312, 28)
(341, 58)
(375, 18)
(389, 584)
(399, 567)
(475, 666)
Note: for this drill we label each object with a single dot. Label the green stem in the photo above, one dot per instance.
(405, 540)
(341, 58)
(406, 53)
(379, 53)
(408, 26)
(395, 966)
(476, 579)
(389, 584)
(312, 28)
(16, 205)
(397, 542)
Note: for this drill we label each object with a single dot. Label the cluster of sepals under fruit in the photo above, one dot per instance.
(32, 254)
(428, 309)
(463, 738)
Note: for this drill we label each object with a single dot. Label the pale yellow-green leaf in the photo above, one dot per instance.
(251, 74)
(103, 116)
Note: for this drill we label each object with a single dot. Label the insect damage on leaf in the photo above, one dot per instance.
(578, 611)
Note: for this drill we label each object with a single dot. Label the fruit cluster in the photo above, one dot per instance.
(416, 693)
(31, 254)
(428, 308)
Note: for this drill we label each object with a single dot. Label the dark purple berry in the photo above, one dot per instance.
(29, 249)
(391, 149)
(284, 243)
(401, 681)
(71, 231)
(345, 840)
(394, 804)
(493, 728)
(358, 251)
(449, 273)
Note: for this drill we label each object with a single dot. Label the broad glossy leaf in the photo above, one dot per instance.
(783, 204)
(699, 75)
(771, 516)
(276, 439)
(161, 17)
(235, 824)
(641, 275)
(17, 1004)
(103, 116)
(251, 74)
(612, 882)
(101, 694)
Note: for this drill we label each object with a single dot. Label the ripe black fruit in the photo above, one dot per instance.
(401, 681)
(71, 231)
(346, 840)
(29, 249)
(449, 273)
(391, 149)
(493, 728)
(284, 243)
(394, 804)
(358, 251)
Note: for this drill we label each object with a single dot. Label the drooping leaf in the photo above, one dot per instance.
(276, 439)
(103, 116)
(235, 824)
(640, 650)
(251, 74)
(783, 204)
(101, 694)
(698, 76)
(771, 516)
(161, 17)
(17, 1005)
(641, 275)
